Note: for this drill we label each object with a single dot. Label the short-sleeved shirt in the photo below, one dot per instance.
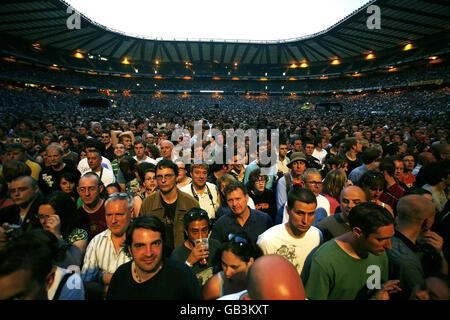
(335, 275)
(257, 223)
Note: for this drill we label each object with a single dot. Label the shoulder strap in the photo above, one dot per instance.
(287, 178)
(61, 285)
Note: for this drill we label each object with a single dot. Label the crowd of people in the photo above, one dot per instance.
(102, 203)
(137, 82)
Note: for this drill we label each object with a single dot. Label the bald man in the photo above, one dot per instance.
(271, 277)
(416, 250)
(337, 224)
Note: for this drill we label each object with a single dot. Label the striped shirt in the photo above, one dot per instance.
(101, 257)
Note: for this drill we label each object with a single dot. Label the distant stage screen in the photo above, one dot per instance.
(95, 103)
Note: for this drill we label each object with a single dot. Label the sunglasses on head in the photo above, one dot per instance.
(236, 239)
(197, 212)
(120, 195)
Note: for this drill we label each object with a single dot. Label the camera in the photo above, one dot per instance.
(13, 231)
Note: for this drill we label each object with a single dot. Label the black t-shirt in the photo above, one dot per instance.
(175, 281)
(353, 164)
(169, 216)
(49, 178)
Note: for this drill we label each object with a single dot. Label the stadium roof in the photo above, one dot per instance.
(402, 22)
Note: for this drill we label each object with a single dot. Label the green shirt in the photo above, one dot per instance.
(335, 275)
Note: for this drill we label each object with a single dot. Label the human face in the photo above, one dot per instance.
(127, 143)
(54, 158)
(233, 267)
(82, 131)
(66, 186)
(64, 144)
(358, 146)
(309, 149)
(21, 192)
(119, 150)
(181, 171)
(301, 217)
(16, 154)
(150, 181)
(298, 167)
(314, 183)
(106, 139)
(377, 242)
(27, 142)
(46, 140)
(146, 249)
(298, 145)
(408, 162)
(351, 197)
(283, 150)
(45, 211)
(399, 169)
(166, 149)
(94, 161)
(374, 192)
(139, 150)
(89, 190)
(117, 216)
(82, 154)
(199, 176)
(237, 201)
(165, 178)
(260, 183)
(149, 139)
(197, 229)
(19, 285)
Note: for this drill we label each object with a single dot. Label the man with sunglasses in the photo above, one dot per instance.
(169, 203)
(105, 253)
(193, 251)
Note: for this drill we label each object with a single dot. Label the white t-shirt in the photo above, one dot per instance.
(277, 240)
(83, 165)
(106, 176)
(320, 155)
(147, 159)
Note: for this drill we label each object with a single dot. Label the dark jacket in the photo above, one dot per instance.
(185, 202)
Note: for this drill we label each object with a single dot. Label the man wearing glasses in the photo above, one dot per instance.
(92, 212)
(169, 203)
(105, 252)
(313, 182)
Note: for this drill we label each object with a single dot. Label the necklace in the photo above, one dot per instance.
(137, 276)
